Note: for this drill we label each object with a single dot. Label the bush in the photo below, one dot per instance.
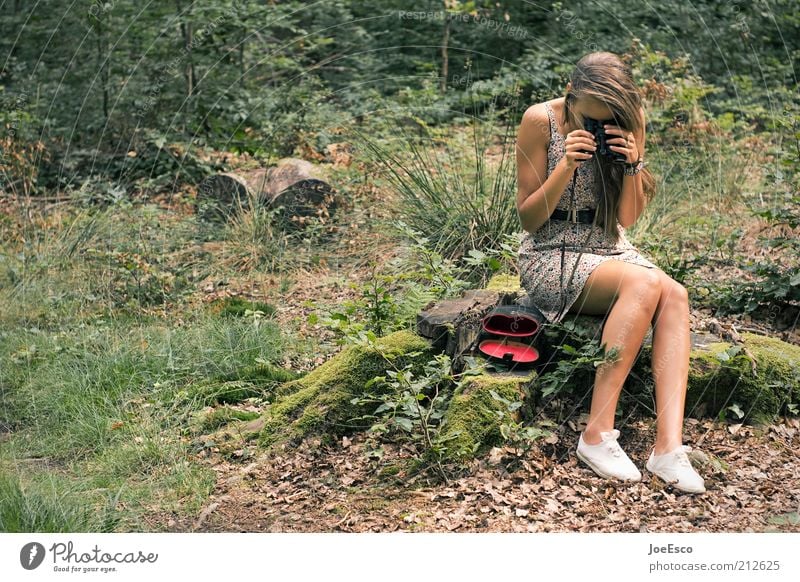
(451, 190)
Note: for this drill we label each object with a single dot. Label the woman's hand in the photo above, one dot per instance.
(626, 143)
(579, 146)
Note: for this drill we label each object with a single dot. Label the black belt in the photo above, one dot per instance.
(586, 215)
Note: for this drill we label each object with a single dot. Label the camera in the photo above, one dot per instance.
(595, 127)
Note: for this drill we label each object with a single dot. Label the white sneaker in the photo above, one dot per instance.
(607, 458)
(676, 469)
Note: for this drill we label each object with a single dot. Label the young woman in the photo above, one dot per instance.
(574, 205)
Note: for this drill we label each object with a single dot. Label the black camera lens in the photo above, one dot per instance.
(597, 128)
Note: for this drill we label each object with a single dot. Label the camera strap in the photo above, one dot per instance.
(574, 211)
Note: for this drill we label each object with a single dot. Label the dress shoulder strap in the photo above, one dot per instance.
(552, 119)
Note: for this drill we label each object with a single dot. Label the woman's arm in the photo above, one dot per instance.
(538, 194)
(632, 200)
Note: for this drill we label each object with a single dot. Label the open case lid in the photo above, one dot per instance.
(513, 320)
(509, 351)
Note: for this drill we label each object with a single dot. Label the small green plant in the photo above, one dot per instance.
(375, 312)
(773, 285)
(443, 277)
(519, 436)
(579, 363)
(489, 261)
(381, 307)
(390, 301)
(414, 406)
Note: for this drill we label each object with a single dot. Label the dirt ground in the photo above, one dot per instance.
(755, 488)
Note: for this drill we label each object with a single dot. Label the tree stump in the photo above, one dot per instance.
(453, 324)
(297, 188)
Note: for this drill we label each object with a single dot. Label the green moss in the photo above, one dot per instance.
(320, 401)
(390, 470)
(262, 373)
(781, 362)
(209, 420)
(473, 418)
(718, 380)
(210, 392)
(237, 307)
(504, 282)
(251, 381)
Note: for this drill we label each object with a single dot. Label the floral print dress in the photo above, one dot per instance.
(539, 256)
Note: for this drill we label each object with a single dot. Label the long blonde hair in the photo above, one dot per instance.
(607, 78)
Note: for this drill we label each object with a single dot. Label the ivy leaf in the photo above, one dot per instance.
(736, 410)
(404, 423)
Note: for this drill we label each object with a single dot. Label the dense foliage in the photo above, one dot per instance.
(130, 90)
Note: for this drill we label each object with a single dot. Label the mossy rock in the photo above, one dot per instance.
(320, 402)
(718, 379)
(474, 417)
(721, 376)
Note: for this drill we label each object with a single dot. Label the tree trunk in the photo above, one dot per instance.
(445, 59)
(102, 63)
(186, 35)
(297, 185)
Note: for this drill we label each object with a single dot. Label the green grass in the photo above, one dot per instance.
(104, 362)
(111, 404)
(70, 389)
(44, 506)
(449, 189)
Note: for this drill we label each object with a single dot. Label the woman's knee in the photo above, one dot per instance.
(674, 296)
(673, 292)
(612, 280)
(643, 287)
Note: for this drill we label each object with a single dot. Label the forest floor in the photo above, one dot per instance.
(329, 489)
(359, 485)
(313, 488)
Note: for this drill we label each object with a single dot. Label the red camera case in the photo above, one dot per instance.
(510, 336)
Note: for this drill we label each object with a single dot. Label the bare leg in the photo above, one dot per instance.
(632, 292)
(671, 344)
